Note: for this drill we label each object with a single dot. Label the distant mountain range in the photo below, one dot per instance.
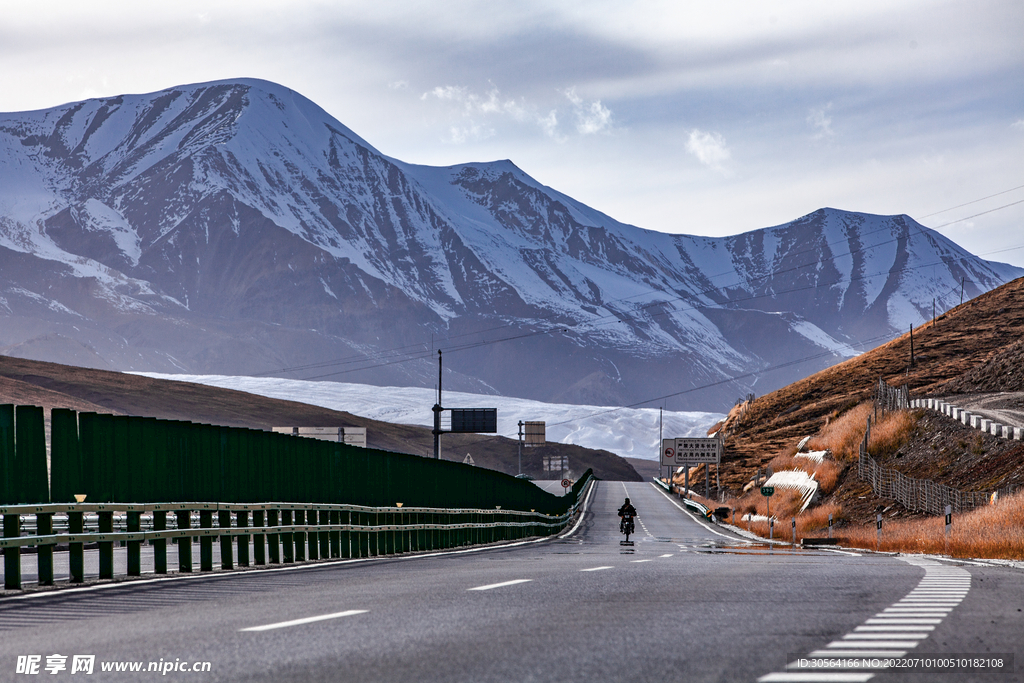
(237, 228)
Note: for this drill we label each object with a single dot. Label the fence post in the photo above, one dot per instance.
(134, 547)
(44, 527)
(184, 518)
(242, 520)
(287, 546)
(76, 551)
(226, 554)
(259, 547)
(206, 542)
(325, 536)
(160, 544)
(300, 536)
(273, 540)
(12, 555)
(106, 524)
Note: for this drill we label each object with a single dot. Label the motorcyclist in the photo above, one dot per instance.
(626, 509)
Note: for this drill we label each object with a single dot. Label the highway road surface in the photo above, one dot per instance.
(689, 602)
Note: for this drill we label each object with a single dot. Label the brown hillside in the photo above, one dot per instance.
(957, 342)
(53, 385)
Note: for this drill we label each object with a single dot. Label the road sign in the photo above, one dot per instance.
(767, 491)
(534, 434)
(691, 451)
(668, 451)
(566, 483)
(474, 420)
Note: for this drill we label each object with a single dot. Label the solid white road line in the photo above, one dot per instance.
(499, 585)
(307, 620)
(596, 569)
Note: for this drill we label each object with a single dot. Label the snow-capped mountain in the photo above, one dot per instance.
(236, 228)
(629, 432)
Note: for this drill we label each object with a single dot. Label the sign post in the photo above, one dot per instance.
(768, 492)
(949, 525)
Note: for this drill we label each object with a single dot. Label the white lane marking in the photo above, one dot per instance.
(815, 677)
(586, 503)
(887, 635)
(638, 518)
(307, 620)
(499, 585)
(650, 560)
(872, 654)
(841, 552)
(596, 569)
(691, 516)
(894, 628)
(844, 644)
(891, 633)
(666, 555)
(894, 620)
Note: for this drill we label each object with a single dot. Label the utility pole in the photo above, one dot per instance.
(520, 447)
(961, 291)
(911, 346)
(661, 431)
(437, 412)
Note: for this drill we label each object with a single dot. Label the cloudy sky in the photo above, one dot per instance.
(695, 117)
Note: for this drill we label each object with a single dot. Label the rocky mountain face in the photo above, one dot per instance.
(236, 228)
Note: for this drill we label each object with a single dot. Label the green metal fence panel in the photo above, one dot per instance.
(32, 478)
(131, 459)
(7, 476)
(65, 456)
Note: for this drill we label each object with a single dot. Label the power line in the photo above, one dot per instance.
(973, 201)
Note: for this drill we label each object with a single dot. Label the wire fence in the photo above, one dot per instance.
(914, 494)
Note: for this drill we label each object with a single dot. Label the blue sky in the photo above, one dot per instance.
(687, 117)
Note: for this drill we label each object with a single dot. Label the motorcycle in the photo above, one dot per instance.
(626, 527)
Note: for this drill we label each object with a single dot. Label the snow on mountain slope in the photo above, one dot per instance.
(236, 227)
(628, 432)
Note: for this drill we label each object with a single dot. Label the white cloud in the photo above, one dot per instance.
(821, 122)
(592, 117)
(709, 148)
(1018, 124)
(473, 107)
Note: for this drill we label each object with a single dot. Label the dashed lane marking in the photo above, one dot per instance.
(596, 569)
(499, 585)
(306, 620)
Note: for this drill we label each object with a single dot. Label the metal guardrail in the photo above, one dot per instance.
(699, 508)
(281, 532)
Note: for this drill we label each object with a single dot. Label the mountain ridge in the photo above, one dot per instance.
(234, 227)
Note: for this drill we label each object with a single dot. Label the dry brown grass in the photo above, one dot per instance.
(892, 431)
(994, 531)
(844, 434)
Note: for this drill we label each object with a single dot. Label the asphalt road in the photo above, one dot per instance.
(689, 602)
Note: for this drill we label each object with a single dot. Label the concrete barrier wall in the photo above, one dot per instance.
(966, 417)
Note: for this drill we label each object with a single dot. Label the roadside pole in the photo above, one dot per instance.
(949, 525)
